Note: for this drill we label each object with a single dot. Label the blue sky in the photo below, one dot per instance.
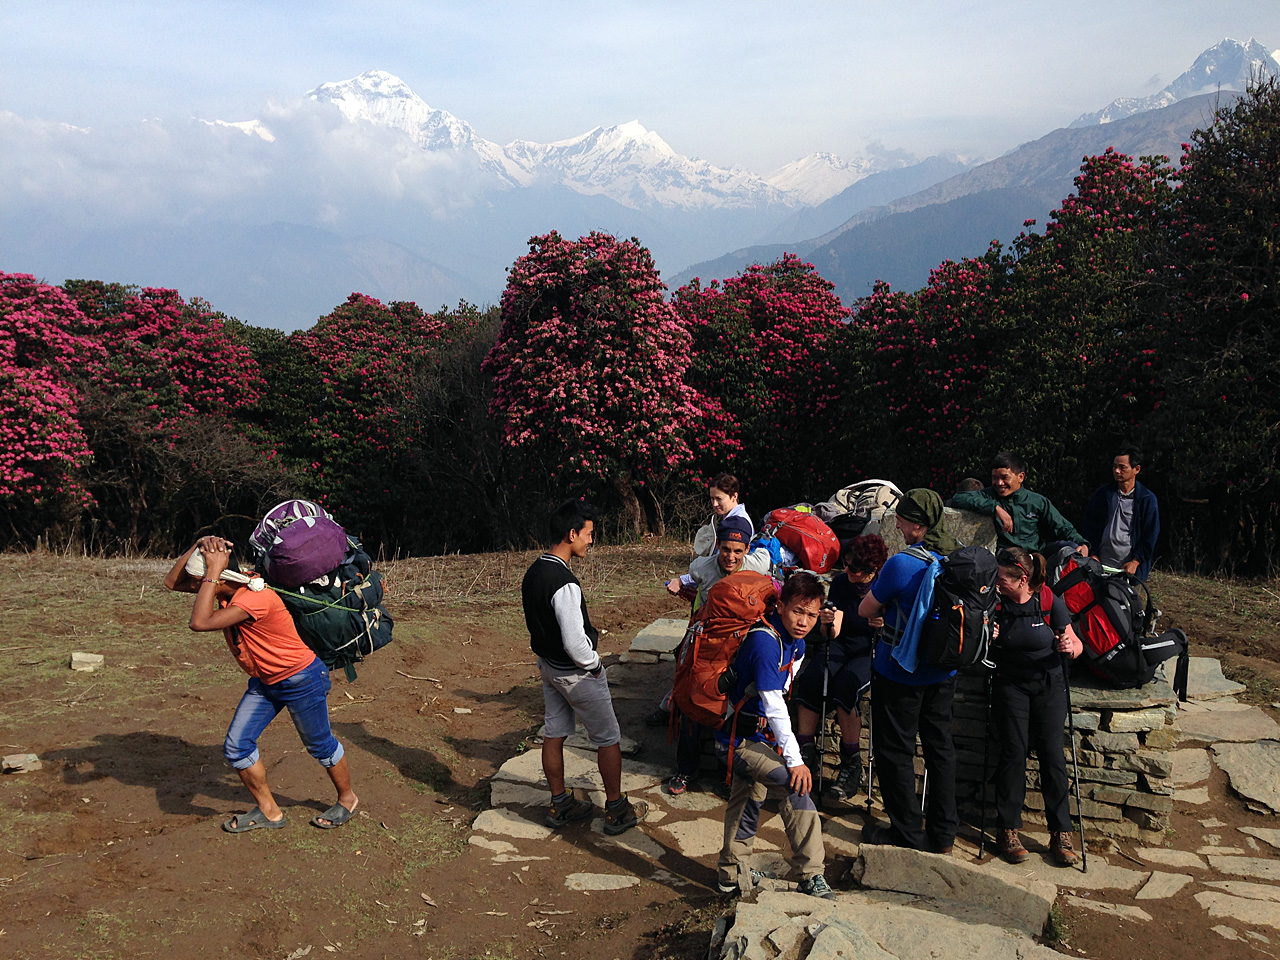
(747, 83)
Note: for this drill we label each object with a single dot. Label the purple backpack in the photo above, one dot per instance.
(298, 542)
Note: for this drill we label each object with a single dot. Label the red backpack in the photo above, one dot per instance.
(734, 606)
(815, 546)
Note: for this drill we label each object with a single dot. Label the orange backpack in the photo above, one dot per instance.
(734, 606)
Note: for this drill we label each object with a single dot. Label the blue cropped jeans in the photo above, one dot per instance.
(306, 694)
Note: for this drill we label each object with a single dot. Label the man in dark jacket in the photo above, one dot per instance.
(1122, 520)
(573, 680)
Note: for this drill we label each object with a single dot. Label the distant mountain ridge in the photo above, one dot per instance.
(626, 162)
(1228, 65)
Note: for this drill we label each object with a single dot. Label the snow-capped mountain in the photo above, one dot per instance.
(1228, 65)
(820, 176)
(385, 100)
(625, 162)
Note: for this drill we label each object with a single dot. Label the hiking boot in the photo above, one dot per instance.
(622, 816)
(677, 785)
(816, 887)
(809, 754)
(735, 889)
(659, 718)
(848, 781)
(1009, 847)
(1064, 855)
(569, 811)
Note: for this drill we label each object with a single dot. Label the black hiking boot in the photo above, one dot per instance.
(848, 781)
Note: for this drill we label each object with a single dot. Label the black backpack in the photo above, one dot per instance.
(341, 617)
(1115, 618)
(957, 631)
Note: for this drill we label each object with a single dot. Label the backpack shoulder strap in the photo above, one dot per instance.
(1046, 603)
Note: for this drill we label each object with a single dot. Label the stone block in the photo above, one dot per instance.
(1025, 903)
(1155, 785)
(1093, 810)
(1229, 726)
(1181, 859)
(1091, 693)
(638, 656)
(1161, 886)
(1258, 913)
(21, 763)
(1255, 867)
(600, 881)
(1084, 720)
(1114, 910)
(87, 662)
(1156, 764)
(1206, 682)
(1156, 803)
(1254, 770)
(1146, 820)
(1117, 777)
(1112, 742)
(1163, 738)
(1135, 721)
(661, 636)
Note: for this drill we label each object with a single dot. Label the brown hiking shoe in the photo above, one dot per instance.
(623, 815)
(1009, 847)
(1064, 855)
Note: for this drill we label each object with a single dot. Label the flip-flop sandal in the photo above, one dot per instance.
(255, 819)
(337, 815)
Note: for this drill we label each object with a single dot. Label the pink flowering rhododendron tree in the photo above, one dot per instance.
(1216, 326)
(931, 353)
(46, 344)
(359, 414)
(588, 370)
(765, 347)
(161, 411)
(1070, 377)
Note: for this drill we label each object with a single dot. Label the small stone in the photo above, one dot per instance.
(493, 846)
(1221, 851)
(1226, 933)
(21, 763)
(508, 824)
(1247, 867)
(1120, 911)
(462, 710)
(600, 881)
(1243, 888)
(666, 658)
(1171, 858)
(1260, 913)
(1265, 834)
(1212, 823)
(1161, 886)
(1196, 795)
(87, 662)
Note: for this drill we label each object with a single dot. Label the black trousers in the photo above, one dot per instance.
(898, 712)
(1030, 713)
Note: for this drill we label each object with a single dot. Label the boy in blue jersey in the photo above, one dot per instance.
(762, 673)
(904, 703)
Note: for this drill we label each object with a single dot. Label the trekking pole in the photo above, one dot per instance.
(871, 736)
(822, 715)
(986, 755)
(1075, 762)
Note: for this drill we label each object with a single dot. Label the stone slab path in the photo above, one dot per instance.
(907, 904)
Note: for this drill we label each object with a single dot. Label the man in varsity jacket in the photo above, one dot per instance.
(573, 681)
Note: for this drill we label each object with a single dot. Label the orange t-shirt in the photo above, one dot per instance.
(267, 645)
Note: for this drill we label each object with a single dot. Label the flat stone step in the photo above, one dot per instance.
(661, 636)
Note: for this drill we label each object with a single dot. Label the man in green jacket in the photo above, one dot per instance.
(1023, 518)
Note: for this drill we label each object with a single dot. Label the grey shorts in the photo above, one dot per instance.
(570, 693)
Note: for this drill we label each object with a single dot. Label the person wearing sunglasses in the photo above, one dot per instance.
(1029, 701)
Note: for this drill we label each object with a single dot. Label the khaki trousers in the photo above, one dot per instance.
(759, 774)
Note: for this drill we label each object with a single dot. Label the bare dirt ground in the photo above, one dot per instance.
(113, 849)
